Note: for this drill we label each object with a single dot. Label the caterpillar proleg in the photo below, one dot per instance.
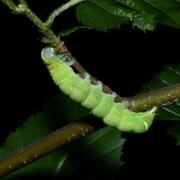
(92, 96)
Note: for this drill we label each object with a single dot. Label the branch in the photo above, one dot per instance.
(11, 5)
(61, 9)
(61, 48)
(43, 146)
(78, 130)
(160, 97)
(53, 39)
(22, 8)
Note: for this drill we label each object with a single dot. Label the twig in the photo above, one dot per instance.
(22, 8)
(78, 130)
(43, 146)
(61, 9)
(61, 48)
(160, 97)
(12, 6)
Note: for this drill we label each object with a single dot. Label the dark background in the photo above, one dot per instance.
(124, 59)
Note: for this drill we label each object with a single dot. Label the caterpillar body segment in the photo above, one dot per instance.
(82, 90)
(92, 97)
(70, 84)
(104, 106)
(115, 115)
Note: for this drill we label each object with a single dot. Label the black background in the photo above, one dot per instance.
(124, 59)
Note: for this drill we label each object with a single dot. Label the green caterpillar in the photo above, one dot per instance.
(92, 97)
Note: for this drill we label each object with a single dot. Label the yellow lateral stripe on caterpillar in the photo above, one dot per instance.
(92, 97)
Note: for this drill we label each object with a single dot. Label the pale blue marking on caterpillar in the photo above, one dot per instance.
(92, 97)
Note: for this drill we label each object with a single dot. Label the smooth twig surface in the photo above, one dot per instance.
(43, 146)
(160, 97)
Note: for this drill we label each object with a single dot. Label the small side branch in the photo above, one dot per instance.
(61, 9)
(51, 37)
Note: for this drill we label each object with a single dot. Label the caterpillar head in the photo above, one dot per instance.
(48, 55)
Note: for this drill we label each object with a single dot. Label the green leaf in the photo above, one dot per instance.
(102, 148)
(95, 155)
(58, 108)
(168, 76)
(54, 114)
(144, 14)
(34, 128)
(95, 17)
(170, 8)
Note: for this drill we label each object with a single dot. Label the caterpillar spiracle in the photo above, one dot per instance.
(92, 97)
